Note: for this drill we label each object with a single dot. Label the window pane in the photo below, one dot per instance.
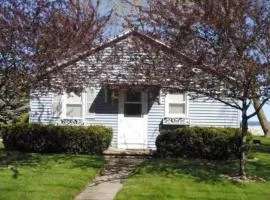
(133, 96)
(179, 97)
(175, 108)
(74, 110)
(134, 109)
(73, 98)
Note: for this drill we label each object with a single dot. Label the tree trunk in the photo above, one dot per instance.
(262, 118)
(243, 148)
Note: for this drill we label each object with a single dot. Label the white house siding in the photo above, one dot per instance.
(204, 112)
(201, 113)
(106, 113)
(40, 108)
(155, 116)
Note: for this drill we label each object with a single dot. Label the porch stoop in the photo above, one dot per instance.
(128, 152)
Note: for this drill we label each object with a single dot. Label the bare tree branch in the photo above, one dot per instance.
(258, 109)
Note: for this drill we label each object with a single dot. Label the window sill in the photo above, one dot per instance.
(80, 118)
(176, 116)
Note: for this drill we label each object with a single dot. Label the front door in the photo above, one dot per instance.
(132, 120)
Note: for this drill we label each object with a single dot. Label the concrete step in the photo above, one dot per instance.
(128, 152)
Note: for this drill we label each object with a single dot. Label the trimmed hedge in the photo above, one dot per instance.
(200, 142)
(56, 139)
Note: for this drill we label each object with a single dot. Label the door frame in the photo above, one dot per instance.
(121, 101)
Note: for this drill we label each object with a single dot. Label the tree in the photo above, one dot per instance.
(262, 118)
(40, 38)
(226, 49)
(12, 103)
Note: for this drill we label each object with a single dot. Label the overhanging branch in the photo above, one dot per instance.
(258, 109)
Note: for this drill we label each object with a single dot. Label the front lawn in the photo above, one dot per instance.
(197, 179)
(30, 176)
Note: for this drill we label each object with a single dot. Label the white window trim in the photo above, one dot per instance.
(83, 103)
(167, 102)
(60, 101)
(92, 114)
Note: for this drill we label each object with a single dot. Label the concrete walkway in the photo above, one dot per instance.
(116, 171)
(102, 191)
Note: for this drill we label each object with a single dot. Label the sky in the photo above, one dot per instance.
(266, 109)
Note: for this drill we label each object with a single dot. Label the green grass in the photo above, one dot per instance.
(198, 179)
(30, 176)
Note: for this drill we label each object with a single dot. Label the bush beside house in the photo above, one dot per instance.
(54, 139)
(200, 142)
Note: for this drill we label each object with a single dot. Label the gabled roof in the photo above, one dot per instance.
(128, 33)
(80, 56)
(148, 38)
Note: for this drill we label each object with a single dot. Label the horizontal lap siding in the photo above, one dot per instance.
(106, 113)
(155, 116)
(201, 113)
(40, 108)
(212, 113)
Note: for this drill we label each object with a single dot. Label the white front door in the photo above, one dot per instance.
(132, 120)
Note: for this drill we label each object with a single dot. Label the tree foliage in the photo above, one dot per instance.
(40, 38)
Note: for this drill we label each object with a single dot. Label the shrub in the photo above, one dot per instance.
(200, 142)
(23, 118)
(52, 139)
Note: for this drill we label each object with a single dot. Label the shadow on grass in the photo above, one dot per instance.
(15, 160)
(209, 171)
(200, 170)
(262, 148)
(259, 169)
(260, 165)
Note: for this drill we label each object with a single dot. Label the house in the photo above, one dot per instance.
(136, 113)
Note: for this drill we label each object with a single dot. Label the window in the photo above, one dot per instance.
(73, 106)
(133, 104)
(133, 109)
(176, 108)
(74, 111)
(175, 105)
